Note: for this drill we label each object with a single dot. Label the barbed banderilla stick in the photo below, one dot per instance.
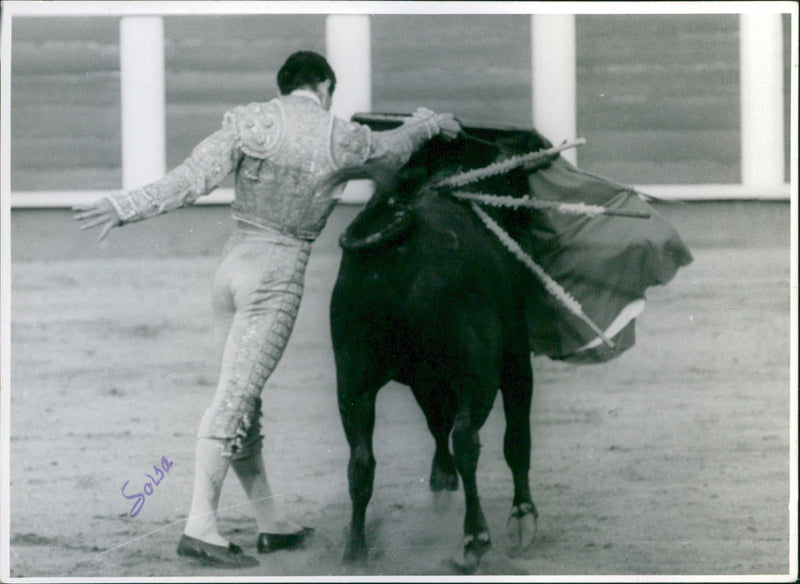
(530, 161)
(553, 287)
(528, 202)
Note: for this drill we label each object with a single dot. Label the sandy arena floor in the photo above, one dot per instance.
(672, 460)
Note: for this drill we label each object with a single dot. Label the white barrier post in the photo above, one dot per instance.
(141, 55)
(760, 43)
(553, 78)
(349, 51)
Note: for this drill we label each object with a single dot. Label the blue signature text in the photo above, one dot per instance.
(149, 486)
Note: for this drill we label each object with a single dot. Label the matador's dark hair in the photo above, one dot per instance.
(304, 68)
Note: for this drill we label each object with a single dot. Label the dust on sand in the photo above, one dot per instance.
(673, 459)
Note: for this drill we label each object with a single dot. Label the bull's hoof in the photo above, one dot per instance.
(443, 478)
(522, 525)
(355, 553)
(475, 546)
(465, 569)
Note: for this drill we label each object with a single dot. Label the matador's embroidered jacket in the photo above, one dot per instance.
(278, 151)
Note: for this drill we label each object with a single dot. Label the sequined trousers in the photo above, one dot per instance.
(256, 295)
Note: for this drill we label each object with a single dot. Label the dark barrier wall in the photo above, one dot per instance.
(658, 97)
(657, 94)
(65, 103)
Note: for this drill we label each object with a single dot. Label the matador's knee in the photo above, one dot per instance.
(249, 439)
(245, 440)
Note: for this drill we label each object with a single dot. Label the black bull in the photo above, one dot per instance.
(438, 308)
(428, 296)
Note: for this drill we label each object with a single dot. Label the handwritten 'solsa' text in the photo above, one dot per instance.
(149, 487)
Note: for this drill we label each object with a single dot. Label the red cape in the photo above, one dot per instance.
(605, 262)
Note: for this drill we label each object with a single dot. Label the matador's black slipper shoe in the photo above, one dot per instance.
(218, 556)
(272, 542)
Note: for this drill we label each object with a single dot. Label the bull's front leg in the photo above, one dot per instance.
(358, 418)
(466, 447)
(517, 391)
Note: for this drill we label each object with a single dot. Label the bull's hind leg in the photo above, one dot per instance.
(440, 413)
(516, 385)
(356, 395)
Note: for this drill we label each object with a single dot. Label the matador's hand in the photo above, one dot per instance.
(449, 127)
(101, 214)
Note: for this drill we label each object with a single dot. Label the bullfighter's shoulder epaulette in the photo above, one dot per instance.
(260, 127)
